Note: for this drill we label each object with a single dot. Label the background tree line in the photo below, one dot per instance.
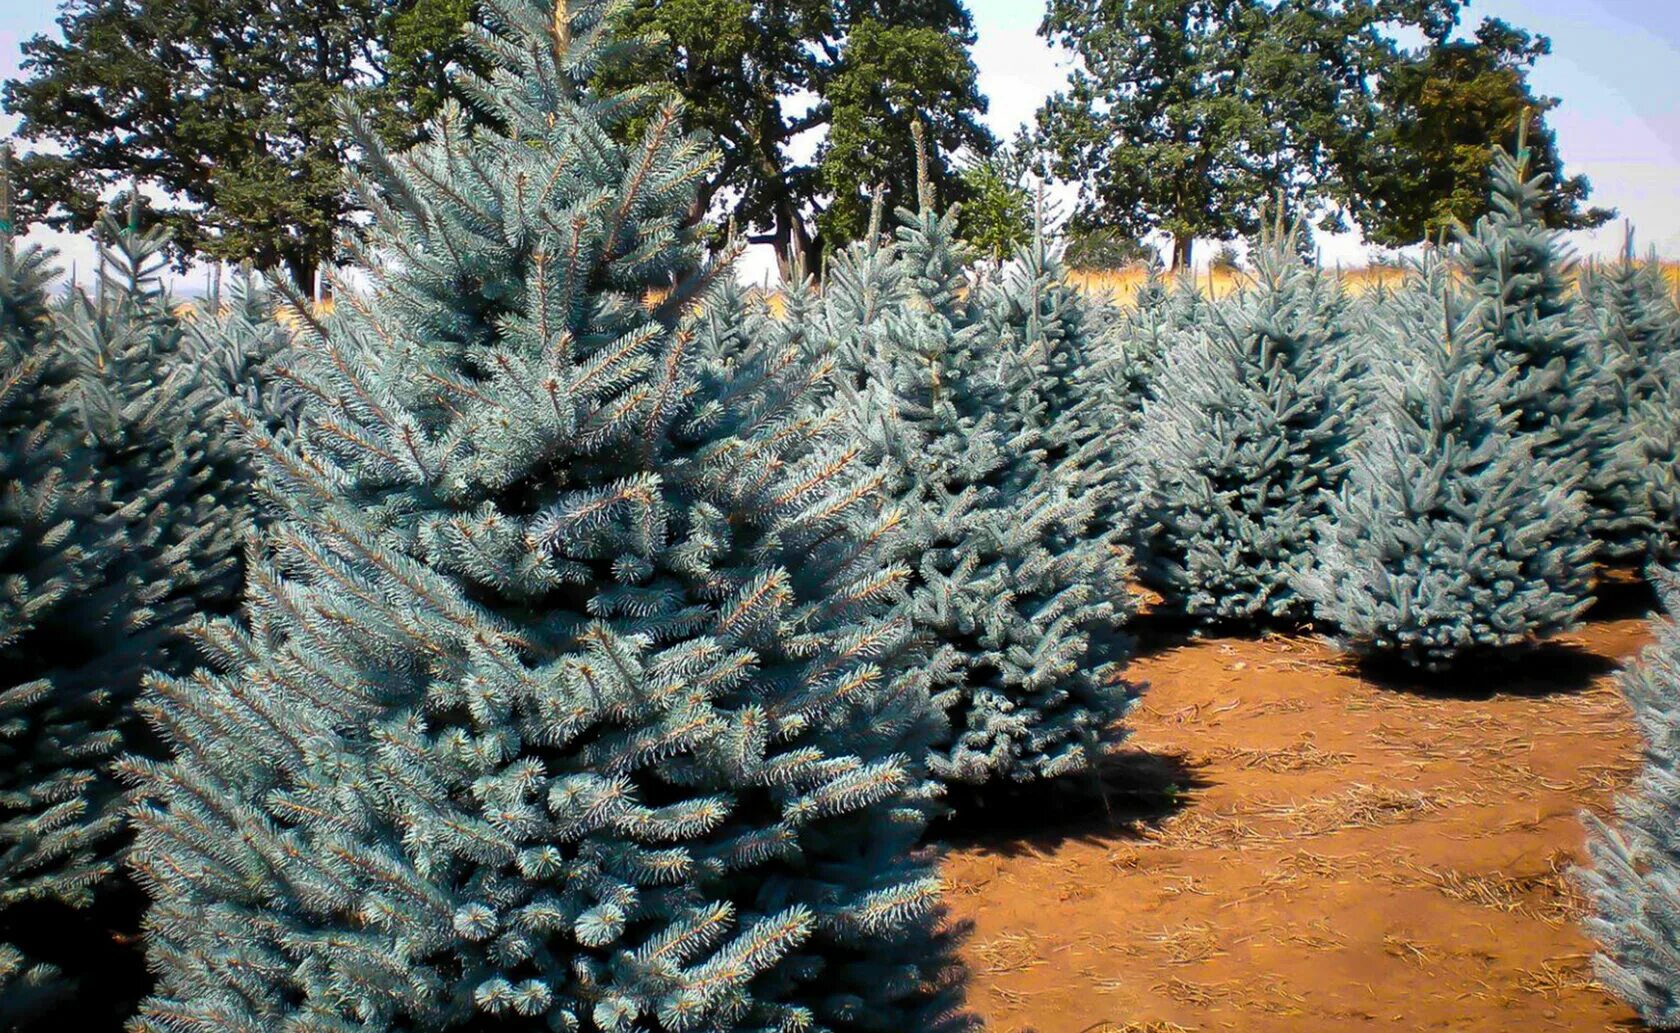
(1180, 117)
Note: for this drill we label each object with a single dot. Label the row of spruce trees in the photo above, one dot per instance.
(552, 637)
(1427, 472)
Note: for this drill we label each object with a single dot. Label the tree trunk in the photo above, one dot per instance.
(791, 236)
(1184, 246)
(302, 272)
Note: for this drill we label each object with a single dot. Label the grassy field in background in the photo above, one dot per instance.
(1122, 284)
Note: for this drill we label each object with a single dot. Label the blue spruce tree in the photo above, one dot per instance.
(150, 401)
(1450, 538)
(1634, 882)
(237, 349)
(1243, 444)
(969, 396)
(1162, 311)
(1632, 317)
(131, 472)
(1519, 276)
(1651, 451)
(53, 597)
(569, 692)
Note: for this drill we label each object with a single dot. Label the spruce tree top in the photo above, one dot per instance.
(1519, 275)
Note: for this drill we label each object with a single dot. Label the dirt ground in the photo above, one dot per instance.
(1298, 848)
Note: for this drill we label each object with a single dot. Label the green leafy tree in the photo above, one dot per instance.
(423, 40)
(1187, 116)
(759, 75)
(1444, 109)
(225, 109)
(1106, 249)
(1184, 116)
(997, 216)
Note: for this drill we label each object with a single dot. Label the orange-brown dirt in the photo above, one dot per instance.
(1299, 848)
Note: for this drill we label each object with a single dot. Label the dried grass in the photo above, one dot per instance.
(1360, 806)
(1011, 952)
(1188, 944)
(1202, 830)
(1125, 859)
(1177, 885)
(1406, 949)
(1281, 705)
(1303, 755)
(1548, 896)
(1319, 935)
(1013, 998)
(1559, 976)
(1199, 995)
(1303, 867)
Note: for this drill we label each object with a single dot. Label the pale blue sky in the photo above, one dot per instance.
(1614, 63)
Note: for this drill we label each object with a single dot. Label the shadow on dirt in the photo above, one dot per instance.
(1622, 594)
(1544, 669)
(1156, 632)
(1136, 791)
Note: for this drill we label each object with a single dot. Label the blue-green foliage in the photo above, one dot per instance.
(971, 398)
(1137, 342)
(570, 691)
(1450, 536)
(1242, 444)
(125, 503)
(238, 350)
(1518, 274)
(1652, 451)
(1634, 882)
(151, 411)
(1630, 312)
(53, 552)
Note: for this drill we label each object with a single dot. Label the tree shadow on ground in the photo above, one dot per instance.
(1135, 790)
(1541, 670)
(1156, 631)
(1161, 631)
(1622, 593)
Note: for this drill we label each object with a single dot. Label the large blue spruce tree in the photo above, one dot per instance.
(969, 396)
(1634, 882)
(1242, 444)
(569, 692)
(1450, 538)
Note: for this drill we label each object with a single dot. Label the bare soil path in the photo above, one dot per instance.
(1310, 851)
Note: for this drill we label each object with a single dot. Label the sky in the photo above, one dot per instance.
(1613, 63)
